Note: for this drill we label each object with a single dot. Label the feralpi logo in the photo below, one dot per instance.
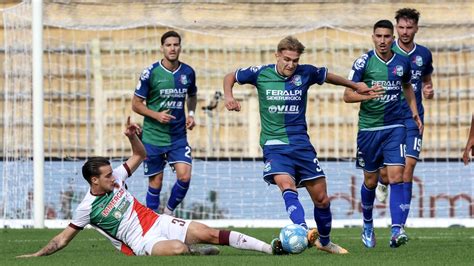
(284, 95)
(388, 85)
(173, 91)
(284, 109)
(114, 201)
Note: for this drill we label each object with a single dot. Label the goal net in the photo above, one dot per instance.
(94, 52)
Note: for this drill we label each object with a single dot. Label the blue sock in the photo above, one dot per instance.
(407, 188)
(153, 198)
(293, 207)
(178, 192)
(323, 218)
(396, 205)
(367, 203)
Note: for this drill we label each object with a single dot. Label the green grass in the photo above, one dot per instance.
(447, 246)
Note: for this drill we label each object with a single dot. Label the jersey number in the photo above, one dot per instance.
(178, 222)
(402, 150)
(417, 145)
(188, 152)
(318, 168)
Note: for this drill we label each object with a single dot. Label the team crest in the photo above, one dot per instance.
(117, 215)
(268, 166)
(296, 80)
(418, 60)
(183, 79)
(398, 70)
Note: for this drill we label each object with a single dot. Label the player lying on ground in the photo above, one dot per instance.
(131, 227)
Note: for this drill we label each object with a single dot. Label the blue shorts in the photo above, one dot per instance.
(375, 149)
(157, 157)
(300, 163)
(414, 139)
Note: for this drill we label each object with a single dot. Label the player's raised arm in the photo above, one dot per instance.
(57, 243)
(138, 150)
(358, 87)
(230, 103)
(351, 96)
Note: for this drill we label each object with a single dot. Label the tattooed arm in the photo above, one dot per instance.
(57, 243)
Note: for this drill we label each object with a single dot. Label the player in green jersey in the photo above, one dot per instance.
(290, 158)
(167, 86)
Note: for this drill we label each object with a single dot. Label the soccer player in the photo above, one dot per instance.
(469, 144)
(164, 86)
(290, 159)
(421, 69)
(131, 227)
(381, 136)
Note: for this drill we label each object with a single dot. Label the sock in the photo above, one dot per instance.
(153, 198)
(396, 204)
(323, 218)
(242, 241)
(407, 193)
(367, 203)
(293, 207)
(178, 192)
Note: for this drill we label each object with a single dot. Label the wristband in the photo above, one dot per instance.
(191, 113)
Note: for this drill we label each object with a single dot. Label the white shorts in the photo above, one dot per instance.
(165, 228)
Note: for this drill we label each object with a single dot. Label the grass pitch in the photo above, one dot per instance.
(441, 246)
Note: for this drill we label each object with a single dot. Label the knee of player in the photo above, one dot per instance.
(178, 248)
(169, 248)
(186, 177)
(322, 201)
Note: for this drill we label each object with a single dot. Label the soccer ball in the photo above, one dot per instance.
(293, 238)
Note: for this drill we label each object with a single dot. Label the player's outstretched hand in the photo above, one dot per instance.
(132, 129)
(190, 123)
(375, 91)
(164, 117)
(231, 104)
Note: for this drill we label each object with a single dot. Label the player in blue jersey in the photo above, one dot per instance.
(290, 159)
(381, 136)
(166, 86)
(421, 69)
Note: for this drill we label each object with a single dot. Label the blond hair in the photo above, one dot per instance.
(290, 43)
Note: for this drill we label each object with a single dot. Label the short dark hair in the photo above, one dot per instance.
(91, 167)
(168, 34)
(407, 13)
(290, 43)
(386, 24)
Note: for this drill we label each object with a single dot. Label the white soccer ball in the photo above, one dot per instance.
(293, 238)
